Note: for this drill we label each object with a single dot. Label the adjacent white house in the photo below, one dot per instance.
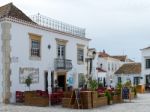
(105, 65)
(146, 66)
(49, 51)
(129, 72)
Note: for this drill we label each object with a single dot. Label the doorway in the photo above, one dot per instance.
(46, 80)
(62, 81)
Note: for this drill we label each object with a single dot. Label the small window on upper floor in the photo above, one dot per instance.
(80, 53)
(108, 66)
(147, 63)
(80, 56)
(35, 46)
(112, 66)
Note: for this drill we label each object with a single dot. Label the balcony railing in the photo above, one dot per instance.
(63, 64)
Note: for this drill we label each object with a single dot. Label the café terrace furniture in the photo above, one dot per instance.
(36, 98)
(19, 97)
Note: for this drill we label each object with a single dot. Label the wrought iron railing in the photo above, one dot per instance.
(64, 64)
(58, 25)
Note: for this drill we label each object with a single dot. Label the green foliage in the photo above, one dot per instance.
(100, 84)
(133, 89)
(128, 84)
(119, 87)
(82, 80)
(28, 81)
(93, 84)
(108, 95)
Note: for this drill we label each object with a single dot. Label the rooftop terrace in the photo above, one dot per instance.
(58, 25)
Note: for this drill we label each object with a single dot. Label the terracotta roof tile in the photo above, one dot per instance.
(103, 54)
(129, 68)
(146, 48)
(9, 10)
(100, 70)
(121, 57)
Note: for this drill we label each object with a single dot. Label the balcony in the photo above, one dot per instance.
(63, 64)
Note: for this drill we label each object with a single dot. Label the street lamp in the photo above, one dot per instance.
(91, 61)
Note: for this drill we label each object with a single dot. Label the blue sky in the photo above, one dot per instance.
(118, 26)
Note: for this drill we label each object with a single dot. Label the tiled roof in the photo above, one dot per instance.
(129, 68)
(121, 57)
(100, 70)
(9, 10)
(103, 54)
(146, 48)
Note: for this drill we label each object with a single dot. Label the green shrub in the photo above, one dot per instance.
(93, 84)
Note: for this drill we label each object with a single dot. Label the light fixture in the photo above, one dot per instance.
(49, 46)
(94, 54)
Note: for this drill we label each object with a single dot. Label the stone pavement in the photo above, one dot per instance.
(141, 104)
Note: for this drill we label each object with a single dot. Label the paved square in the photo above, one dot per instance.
(141, 104)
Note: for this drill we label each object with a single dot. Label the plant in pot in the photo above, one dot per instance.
(28, 81)
(93, 84)
(119, 88)
(109, 97)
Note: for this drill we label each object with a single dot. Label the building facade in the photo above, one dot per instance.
(146, 66)
(50, 56)
(129, 72)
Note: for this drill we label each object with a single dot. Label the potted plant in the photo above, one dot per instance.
(28, 81)
(93, 84)
(109, 97)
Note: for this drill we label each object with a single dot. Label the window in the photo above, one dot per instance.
(112, 66)
(80, 55)
(35, 48)
(61, 48)
(119, 80)
(61, 51)
(108, 66)
(81, 80)
(136, 80)
(35, 45)
(147, 63)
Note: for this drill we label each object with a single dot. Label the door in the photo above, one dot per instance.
(46, 81)
(52, 80)
(62, 81)
(61, 51)
(147, 81)
(104, 82)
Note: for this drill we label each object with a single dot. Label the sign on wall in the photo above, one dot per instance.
(28, 71)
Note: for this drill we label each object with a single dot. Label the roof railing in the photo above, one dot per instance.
(58, 25)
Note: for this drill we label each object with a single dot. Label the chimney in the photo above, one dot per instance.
(103, 51)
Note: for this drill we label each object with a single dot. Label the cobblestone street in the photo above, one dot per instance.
(141, 104)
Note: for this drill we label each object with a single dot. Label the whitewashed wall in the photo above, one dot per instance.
(0, 64)
(20, 48)
(105, 61)
(145, 54)
(124, 78)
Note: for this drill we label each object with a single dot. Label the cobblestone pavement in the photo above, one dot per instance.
(141, 104)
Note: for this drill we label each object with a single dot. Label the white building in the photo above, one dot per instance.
(146, 66)
(129, 72)
(106, 65)
(51, 53)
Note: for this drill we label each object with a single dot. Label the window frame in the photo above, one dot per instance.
(35, 38)
(80, 55)
(38, 52)
(147, 65)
